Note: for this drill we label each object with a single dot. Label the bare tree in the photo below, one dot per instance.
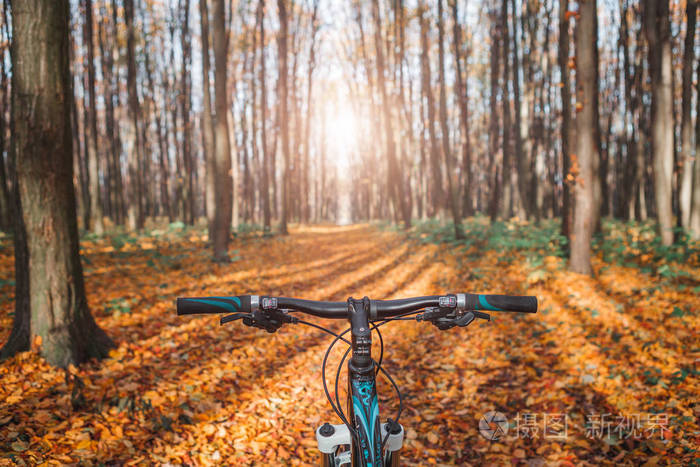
(427, 91)
(462, 96)
(495, 60)
(41, 90)
(207, 125)
(306, 205)
(393, 171)
(445, 137)
(505, 200)
(524, 192)
(96, 224)
(686, 119)
(223, 180)
(107, 40)
(566, 127)
(185, 99)
(5, 196)
(135, 216)
(584, 164)
(657, 29)
(264, 182)
(695, 208)
(282, 108)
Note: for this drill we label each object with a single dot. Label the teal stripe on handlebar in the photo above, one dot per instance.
(224, 305)
(484, 305)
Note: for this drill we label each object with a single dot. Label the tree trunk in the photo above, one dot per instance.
(185, 105)
(134, 206)
(505, 201)
(6, 202)
(111, 127)
(520, 157)
(657, 30)
(306, 204)
(19, 336)
(495, 54)
(282, 108)
(81, 158)
(93, 155)
(463, 100)
(41, 91)
(446, 152)
(254, 184)
(695, 208)
(162, 151)
(207, 125)
(394, 178)
(223, 181)
(566, 127)
(264, 182)
(686, 181)
(427, 90)
(585, 214)
(96, 224)
(295, 132)
(631, 103)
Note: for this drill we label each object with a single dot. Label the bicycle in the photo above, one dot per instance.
(361, 440)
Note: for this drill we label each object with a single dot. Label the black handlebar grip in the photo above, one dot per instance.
(523, 304)
(213, 305)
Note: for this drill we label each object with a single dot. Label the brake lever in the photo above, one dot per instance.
(445, 322)
(464, 320)
(433, 314)
(233, 317)
(268, 320)
(478, 314)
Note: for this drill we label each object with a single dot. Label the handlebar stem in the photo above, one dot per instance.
(358, 311)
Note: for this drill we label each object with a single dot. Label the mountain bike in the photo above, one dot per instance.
(361, 439)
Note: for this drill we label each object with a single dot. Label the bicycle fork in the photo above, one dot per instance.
(363, 408)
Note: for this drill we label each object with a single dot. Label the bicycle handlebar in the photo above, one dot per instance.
(379, 309)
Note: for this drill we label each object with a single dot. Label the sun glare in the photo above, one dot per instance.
(342, 126)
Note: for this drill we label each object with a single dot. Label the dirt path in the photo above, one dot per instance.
(185, 390)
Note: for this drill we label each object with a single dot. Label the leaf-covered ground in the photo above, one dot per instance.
(616, 356)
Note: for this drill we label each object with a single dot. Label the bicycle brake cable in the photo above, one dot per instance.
(337, 410)
(321, 328)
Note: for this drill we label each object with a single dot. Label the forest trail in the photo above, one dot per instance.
(185, 390)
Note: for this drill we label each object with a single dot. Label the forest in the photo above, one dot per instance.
(155, 149)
